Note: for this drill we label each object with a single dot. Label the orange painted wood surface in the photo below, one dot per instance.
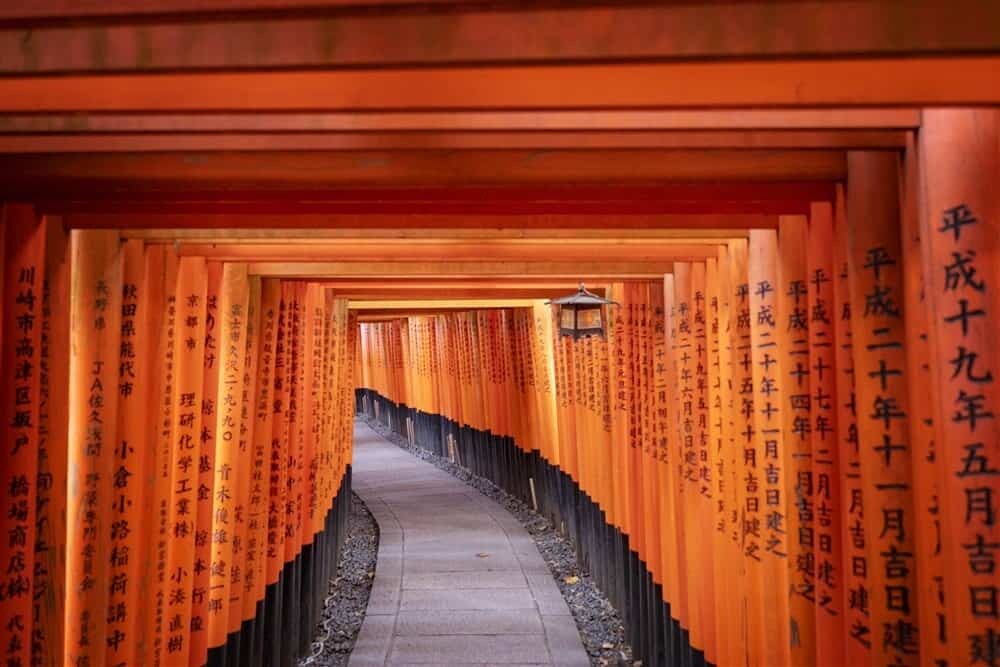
(958, 232)
(24, 251)
(882, 398)
(95, 329)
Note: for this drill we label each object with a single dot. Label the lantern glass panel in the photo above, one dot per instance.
(567, 318)
(589, 319)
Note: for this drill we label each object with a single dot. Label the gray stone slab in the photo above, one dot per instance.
(547, 595)
(423, 563)
(390, 566)
(563, 639)
(470, 649)
(449, 580)
(385, 594)
(466, 598)
(374, 641)
(468, 622)
(543, 585)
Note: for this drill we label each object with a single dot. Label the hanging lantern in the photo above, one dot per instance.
(581, 314)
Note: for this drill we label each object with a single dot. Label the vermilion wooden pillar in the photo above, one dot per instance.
(23, 274)
(926, 488)
(767, 514)
(960, 226)
(798, 477)
(874, 261)
(50, 547)
(828, 548)
(95, 330)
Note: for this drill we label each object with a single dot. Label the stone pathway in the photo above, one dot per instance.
(458, 581)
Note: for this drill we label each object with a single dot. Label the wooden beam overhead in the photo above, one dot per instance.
(437, 304)
(709, 206)
(407, 141)
(321, 197)
(403, 289)
(47, 35)
(475, 282)
(14, 10)
(390, 315)
(729, 224)
(431, 235)
(381, 251)
(465, 121)
(470, 288)
(853, 82)
(255, 175)
(591, 271)
(462, 293)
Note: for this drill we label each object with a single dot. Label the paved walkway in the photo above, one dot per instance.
(459, 580)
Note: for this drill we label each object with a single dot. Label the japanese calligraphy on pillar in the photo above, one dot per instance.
(23, 278)
(723, 606)
(96, 328)
(200, 595)
(728, 475)
(128, 489)
(856, 599)
(277, 469)
(769, 385)
(960, 226)
(162, 267)
(662, 435)
(828, 575)
(296, 413)
(929, 587)
(227, 463)
(675, 567)
(316, 349)
(650, 514)
(882, 404)
(249, 471)
(258, 516)
(796, 381)
(185, 435)
(699, 336)
(687, 358)
(49, 594)
(747, 507)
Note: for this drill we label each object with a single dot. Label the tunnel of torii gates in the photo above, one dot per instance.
(229, 226)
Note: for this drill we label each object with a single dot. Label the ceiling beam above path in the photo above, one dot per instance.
(437, 304)
(465, 121)
(590, 271)
(408, 289)
(132, 35)
(435, 235)
(464, 293)
(855, 82)
(347, 141)
(604, 250)
(708, 206)
(249, 175)
(727, 224)
(372, 316)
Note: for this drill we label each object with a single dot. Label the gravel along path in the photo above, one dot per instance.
(599, 624)
(347, 601)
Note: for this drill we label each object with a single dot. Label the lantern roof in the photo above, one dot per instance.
(581, 298)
